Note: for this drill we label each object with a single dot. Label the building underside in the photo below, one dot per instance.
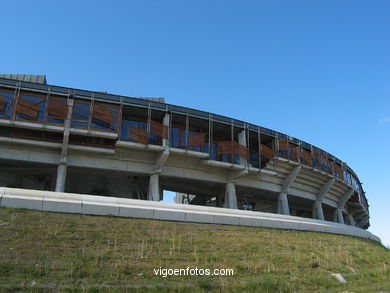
(62, 139)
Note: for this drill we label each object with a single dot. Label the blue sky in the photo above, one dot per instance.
(316, 70)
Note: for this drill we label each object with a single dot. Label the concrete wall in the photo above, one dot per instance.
(100, 205)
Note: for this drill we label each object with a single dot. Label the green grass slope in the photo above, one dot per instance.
(51, 252)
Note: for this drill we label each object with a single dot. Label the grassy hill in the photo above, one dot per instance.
(45, 252)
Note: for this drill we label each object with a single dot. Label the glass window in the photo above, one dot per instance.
(30, 107)
(6, 105)
(80, 115)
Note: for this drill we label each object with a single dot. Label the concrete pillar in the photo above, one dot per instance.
(230, 196)
(61, 177)
(351, 220)
(61, 170)
(318, 212)
(154, 188)
(283, 207)
(165, 142)
(338, 215)
(242, 141)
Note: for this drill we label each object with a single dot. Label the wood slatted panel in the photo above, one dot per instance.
(242, 151)
(27, 108)
(307, 157)
(58, 108)
(331, 168)
(102, 113)
(138, 135)
(295, 153)
(232, 147)
(1, 102)
(267, 152)
(225, 147)
(338, 171)
(197, 139)
(158, 129)
(283, 145)
(316, 153)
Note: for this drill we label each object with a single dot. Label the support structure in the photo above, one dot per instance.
(62, 166)
(242, 141)
(230, 196)
(154, 188)
(154, 185)
(338, 213)
(318, 212)
(283, 207)
(351, 221)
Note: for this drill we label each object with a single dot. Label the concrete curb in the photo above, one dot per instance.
(133, 208)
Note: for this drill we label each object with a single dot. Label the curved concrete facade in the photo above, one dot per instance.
(120, 207)
(67, 140)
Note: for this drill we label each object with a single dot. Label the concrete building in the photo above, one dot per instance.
(69, 140)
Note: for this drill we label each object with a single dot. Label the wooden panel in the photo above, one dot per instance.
(338, 171)
(196, 140)
(232, 147)
(295, 153)
(158, 129)
(103, 113)
(283, 144)
(267, 152)
(138, 135)
(307, 157)
(58, 108)
(27, 108)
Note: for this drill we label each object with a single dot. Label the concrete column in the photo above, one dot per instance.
(351, 220)
(154, 188)
(61, 177)
(62, 166)
(338, 215)
(242, 141)
(283, 207)
(230, 196)
(165, 142)
(318, 212)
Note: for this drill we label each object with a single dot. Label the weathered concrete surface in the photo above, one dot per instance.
(100, 205)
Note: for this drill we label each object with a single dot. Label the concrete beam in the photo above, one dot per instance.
(325, 188)
(161, 160)
(234, 175)
(345, 197)
(290, 179)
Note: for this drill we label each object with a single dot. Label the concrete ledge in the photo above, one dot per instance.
(65, 206)
(123, 207)
(21, 202)
(100, 209)
(199, 217)
(135, 212)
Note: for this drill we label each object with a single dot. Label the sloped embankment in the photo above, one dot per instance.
(66, 252)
